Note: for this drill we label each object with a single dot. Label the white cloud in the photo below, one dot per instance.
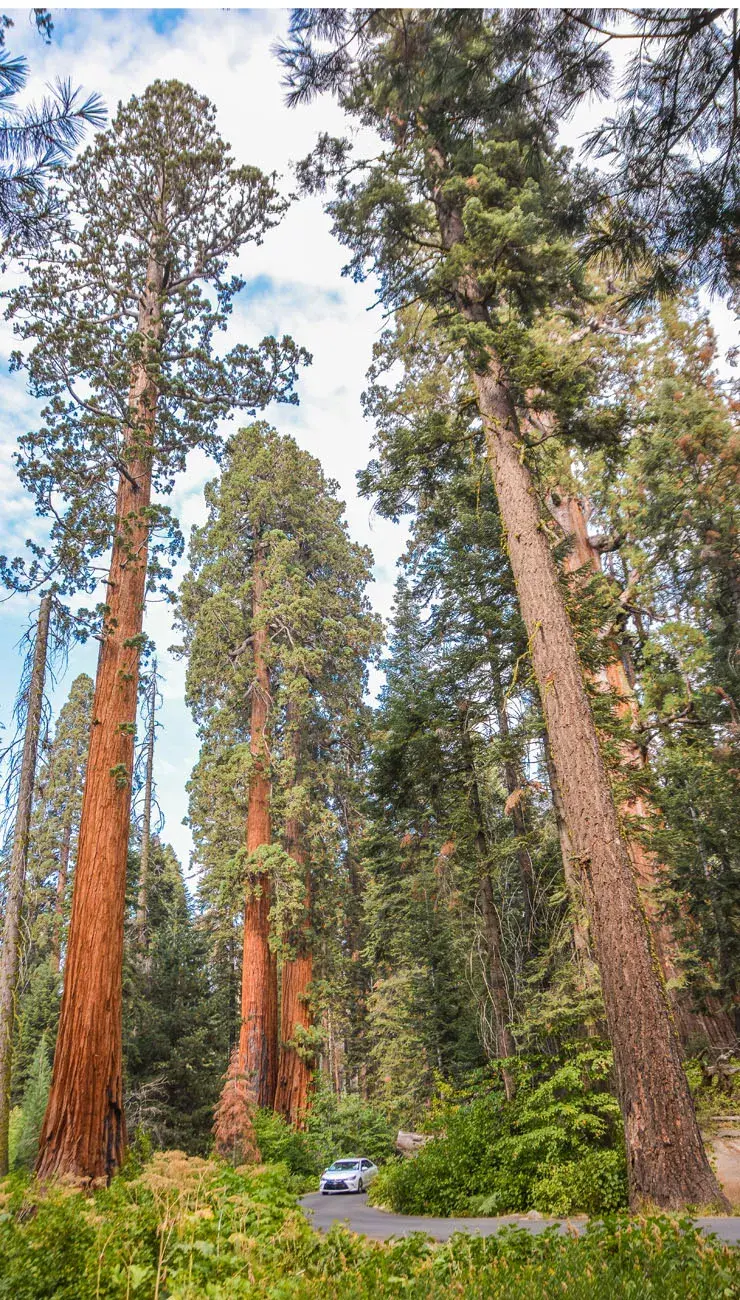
(227, 56)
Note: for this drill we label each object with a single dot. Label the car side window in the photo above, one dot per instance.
(366, 1164)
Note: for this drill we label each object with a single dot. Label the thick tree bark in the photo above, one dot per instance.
(10, 955)
(142, 901)
(83, 1138)
(259, 1012)
(583, 558)
(295, 1067)
(580, 933)
(666, 1160)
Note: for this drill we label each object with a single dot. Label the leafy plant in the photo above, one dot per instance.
(279, 1143)
(35, 1097)
(555, 1148)
(188, 1228)
(348, 1126)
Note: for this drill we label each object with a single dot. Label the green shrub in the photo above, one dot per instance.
(281, 1144)
(348, 1126)
(27, 1127)
(557, 1148)
(190, 1229)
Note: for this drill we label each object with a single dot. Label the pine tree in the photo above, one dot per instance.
(56, 819)
(33, 1106)
(35, 142)
(121, 337)
(466, 209)
(670, 501)
(173, 1043)
(430, 461)
(10, 957)
(674, 179)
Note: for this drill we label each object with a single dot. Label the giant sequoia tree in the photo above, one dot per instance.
(121, 338)
(278, 631)
(465, 208)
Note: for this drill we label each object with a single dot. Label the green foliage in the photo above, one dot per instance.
(279, 1143)
(190, 1229)
(32, 1110)
(175, 1030)
(36, 142)
(159, 186)
(556, 1147)
(274, 517)
(37, 1018)
(347, 1126)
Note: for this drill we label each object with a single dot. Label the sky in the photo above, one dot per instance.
(294, 286)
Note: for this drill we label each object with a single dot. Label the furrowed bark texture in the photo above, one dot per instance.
(83, 1138)
(666, 1160)
(667, 1163)
(257, 1061)
(714, 1026)
(295, 1068)
(10, 955)
(581, 943)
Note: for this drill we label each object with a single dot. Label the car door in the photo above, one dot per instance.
(368, 1172)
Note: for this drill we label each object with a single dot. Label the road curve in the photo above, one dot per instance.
(354, 1211)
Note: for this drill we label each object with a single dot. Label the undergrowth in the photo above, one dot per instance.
(557, 1147)
(183, 1228)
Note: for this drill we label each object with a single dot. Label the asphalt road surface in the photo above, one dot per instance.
(353, 1210)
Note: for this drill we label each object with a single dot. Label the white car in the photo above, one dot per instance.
(353, 1175)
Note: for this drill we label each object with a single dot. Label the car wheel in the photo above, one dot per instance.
(360, 1185)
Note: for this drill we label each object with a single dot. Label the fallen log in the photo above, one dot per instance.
(410, 1144)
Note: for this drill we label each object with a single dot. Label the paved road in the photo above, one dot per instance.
(354, 1211)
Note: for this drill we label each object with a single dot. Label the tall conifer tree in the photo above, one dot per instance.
(466, 209)
(274, 607)
(56, 817)
(10, 954)
(122, 348)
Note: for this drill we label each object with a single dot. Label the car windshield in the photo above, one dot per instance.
(344, 1165)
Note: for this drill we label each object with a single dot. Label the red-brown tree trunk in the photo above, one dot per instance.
(11, 949)
(584, 559)
(581, 941)
(259, 1006)
(83, 1138)
(295, 1068)
(666, 1160)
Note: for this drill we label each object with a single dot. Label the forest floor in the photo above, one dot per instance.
(353, 1211)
